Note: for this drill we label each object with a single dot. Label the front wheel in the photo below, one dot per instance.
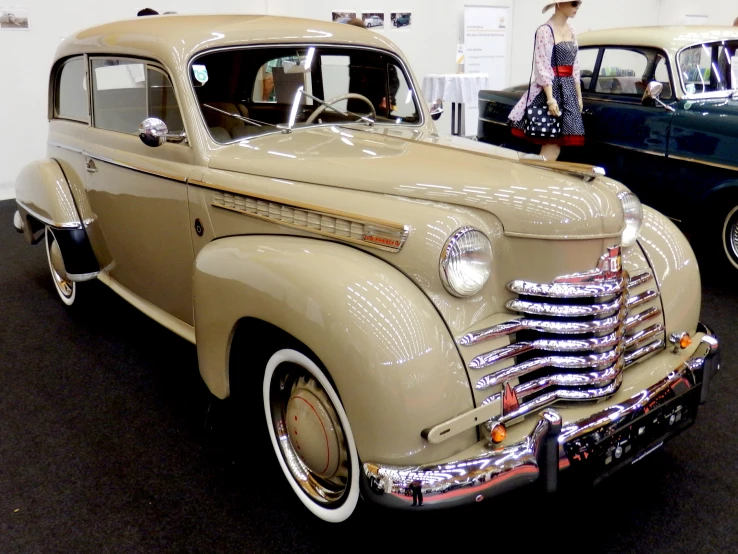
(730, 236)
(311, 435)
(66, 288)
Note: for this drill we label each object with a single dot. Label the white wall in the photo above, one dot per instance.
(430, 44)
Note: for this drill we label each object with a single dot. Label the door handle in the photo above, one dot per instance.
(587, 111)
(90, 166)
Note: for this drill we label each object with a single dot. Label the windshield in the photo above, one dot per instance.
(248, 92)
(710, 67)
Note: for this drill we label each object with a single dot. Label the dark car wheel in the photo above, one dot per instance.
(730, 236)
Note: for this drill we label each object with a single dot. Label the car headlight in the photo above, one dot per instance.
(466, 262)
(633, 218)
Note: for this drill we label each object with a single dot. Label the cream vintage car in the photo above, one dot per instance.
(407, 307)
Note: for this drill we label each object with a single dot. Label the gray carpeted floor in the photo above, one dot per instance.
(104, 448)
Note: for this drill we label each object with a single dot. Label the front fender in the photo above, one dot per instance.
(675, 268)
(393, 360)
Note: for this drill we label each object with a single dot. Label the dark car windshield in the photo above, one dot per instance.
(248, 92)
(709, 67)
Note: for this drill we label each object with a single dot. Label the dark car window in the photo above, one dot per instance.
(627, 72)
(709, 67)
(587, 63)
(70, 94)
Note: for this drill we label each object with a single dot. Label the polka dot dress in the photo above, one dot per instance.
(565, 93)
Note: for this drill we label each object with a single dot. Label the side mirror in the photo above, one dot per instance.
(153, 132)
(651, 95)
(436, 110)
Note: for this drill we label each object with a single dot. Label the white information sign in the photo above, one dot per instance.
(487, 35)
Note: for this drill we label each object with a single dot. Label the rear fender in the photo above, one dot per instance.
(45, 199)
(394, 362)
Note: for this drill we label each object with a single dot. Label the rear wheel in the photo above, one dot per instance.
(730, 236)
(311, 435)
(66, 288)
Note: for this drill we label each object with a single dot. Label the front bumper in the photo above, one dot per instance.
(554, 445)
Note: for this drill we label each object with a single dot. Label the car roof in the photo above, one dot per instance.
(174, 39)
(671, 39)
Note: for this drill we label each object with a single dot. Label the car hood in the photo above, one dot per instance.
(529, 201)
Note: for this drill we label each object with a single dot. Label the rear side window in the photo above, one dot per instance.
(70, 95)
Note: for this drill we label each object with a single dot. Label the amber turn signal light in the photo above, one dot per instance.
(685, 341)
(498, 433)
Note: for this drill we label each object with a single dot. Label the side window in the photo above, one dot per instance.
(622, 72)
(70, 93)
(587, 61)
(163, 101)
(124, 93)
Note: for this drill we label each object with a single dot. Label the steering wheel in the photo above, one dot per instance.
(335, 99)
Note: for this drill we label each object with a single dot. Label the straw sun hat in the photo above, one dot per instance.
(548, 5)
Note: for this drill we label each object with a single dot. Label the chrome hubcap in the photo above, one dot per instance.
(310, 435)
(733, 238)
(56, 266)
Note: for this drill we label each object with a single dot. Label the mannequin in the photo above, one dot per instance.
(556, 88)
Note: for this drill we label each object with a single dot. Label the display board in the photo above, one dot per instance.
(487, 41)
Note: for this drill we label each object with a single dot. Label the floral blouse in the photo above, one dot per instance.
(543, 73)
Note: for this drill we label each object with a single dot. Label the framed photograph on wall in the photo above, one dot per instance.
(343, 17)
(401, 20)
(373, 20)
(14, 19)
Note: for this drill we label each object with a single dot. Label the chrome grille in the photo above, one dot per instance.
(575, 337)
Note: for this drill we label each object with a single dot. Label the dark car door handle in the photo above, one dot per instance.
(587, 111)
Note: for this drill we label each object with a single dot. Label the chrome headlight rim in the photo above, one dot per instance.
(633, 213)
(446, 258)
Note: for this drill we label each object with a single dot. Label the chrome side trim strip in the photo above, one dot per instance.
(588, 361)
(65, 147)
(117, 163)
(703, 162)
(137, 169)
(80, 277)
(46, 220)
(490, 121)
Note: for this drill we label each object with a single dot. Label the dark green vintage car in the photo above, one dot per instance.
(661, 115)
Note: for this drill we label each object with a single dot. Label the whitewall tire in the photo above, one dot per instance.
(66, 288)
(311, 435)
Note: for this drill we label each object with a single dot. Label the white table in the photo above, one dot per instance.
(457, 88)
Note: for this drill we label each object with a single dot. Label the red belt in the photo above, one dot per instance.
(563, 70)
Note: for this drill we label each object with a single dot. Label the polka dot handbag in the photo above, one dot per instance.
(537, 121)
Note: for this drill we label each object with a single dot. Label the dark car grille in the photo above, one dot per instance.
(575, 338)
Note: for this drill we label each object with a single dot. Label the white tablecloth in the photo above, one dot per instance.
(462, 88)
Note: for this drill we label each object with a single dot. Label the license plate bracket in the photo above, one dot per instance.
(599, 454)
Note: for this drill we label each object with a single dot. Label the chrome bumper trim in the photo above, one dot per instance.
(539, 456)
